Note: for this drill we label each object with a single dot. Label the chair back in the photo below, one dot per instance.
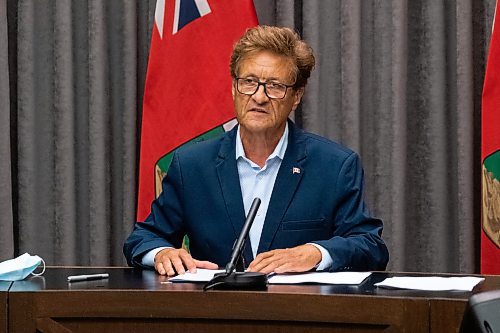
(482, 313)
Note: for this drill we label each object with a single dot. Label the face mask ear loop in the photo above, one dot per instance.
(43, 270)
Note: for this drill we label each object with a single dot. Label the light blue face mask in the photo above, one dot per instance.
(19, 268)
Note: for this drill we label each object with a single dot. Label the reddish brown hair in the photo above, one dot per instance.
(282, 41)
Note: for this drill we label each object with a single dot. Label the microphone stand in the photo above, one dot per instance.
(230, 279)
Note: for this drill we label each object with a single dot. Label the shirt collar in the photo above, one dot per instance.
(279, 151)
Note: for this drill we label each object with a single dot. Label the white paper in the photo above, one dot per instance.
(431, 283)
(320, 277)
(201, 275)
(205, 275)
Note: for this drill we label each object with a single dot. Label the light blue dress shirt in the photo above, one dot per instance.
(258, 183)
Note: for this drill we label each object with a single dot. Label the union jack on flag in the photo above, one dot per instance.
(185, 12)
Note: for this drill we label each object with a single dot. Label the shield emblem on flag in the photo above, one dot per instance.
(491, 197)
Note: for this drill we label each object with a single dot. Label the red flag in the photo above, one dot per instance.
(188, 83)
(490, 156)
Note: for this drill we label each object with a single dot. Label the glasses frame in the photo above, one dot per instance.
(264, 84)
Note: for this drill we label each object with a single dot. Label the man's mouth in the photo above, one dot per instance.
(258, 110)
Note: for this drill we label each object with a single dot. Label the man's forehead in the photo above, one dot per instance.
(267, 63)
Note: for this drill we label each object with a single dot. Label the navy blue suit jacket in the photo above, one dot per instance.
(323, 203)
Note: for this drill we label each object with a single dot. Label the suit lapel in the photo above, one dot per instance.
(229, 181)
(288, 178)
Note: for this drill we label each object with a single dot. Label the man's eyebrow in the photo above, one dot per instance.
(272, 78)
(249, 75)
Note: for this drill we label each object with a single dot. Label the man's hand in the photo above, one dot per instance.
(169, 261)
(297, 259)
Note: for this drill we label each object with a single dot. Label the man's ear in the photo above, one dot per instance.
(297, 98)
(233, 88)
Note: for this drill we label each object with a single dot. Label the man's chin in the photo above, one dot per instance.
(255, 126)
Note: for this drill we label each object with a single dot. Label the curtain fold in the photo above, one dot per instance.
(395, 172)
(100, 131)
(64, 214)
(397, 81)
(6, 204)
(463, 157)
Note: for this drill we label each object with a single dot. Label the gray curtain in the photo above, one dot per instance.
(398, 81)
(78, 69)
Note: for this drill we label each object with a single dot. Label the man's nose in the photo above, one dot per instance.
(260, 95)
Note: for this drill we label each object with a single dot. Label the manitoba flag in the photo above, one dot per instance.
(188, 84)
(490, 156)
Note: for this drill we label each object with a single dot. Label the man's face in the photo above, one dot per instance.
(258, 113)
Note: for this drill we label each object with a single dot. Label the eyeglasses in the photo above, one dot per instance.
(273, 90)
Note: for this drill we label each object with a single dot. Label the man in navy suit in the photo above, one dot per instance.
(312, 214)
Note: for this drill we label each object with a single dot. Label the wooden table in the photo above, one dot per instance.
(133, 300)
(4, 287)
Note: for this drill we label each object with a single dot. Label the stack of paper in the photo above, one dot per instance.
(201, 275)
(431, 283)
(320, 277)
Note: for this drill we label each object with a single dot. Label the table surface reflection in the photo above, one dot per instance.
(125, 278)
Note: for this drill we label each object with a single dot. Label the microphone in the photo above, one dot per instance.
(240, 243)
(240, 280)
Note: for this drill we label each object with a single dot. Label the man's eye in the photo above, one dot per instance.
(275, 85)
(249, 81)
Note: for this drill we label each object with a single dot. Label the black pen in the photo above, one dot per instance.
(76, 278)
